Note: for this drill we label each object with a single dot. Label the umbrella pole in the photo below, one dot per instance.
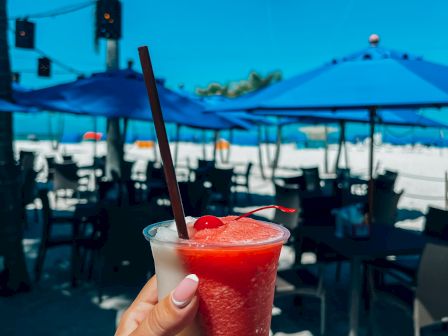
(230, 146)
(341, 141)
(260, 154)
(60, 132)
(154, 148)
(268, 153)
(114, 139)
(176, 149)
(125, 129)
(326, 151)
(346, 153)
(95, 143)
(278, 147)
(50, 131)
(215, 141)
(372, 113)
(204, 149)
(221, 154)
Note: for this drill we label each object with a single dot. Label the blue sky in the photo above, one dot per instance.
(198, 41)
(195, 42)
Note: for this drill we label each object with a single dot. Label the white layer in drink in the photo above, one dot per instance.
(169, 268)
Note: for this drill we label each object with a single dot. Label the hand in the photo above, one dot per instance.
(148, 317)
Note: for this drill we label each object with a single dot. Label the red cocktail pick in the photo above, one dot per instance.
(211, 222)
(279, 207)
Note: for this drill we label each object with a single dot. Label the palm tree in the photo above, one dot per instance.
(14, 277)
(239, 88)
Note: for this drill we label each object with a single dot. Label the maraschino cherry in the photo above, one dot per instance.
(207, 222)
(211, 222)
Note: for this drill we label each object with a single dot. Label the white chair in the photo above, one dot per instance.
(430, 298)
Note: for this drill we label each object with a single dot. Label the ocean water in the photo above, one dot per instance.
(68, 128)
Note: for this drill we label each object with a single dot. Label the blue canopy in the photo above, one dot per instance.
(386, 117)
(210, 102)
(122, 93)
(374, 77)
(6, 106)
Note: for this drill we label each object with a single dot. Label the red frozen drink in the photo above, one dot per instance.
(236, 264)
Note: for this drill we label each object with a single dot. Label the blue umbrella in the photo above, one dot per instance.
(371, 79)
(6, 106)
(122, 93)
(386, 117)
(374, 78)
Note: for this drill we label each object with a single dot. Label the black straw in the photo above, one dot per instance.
(168, 167)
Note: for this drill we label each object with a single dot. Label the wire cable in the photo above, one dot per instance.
(55, 12)
(59, 63)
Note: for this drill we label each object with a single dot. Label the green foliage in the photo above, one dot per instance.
(254, 82)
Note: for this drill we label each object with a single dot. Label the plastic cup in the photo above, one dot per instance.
(236, 280)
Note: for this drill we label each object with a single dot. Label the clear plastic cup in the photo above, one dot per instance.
(236, 280)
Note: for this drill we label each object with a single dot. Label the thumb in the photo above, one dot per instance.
(175, 312)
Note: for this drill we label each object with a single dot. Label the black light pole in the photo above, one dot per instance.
(15, 277)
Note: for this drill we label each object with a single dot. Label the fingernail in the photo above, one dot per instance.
(185, 291)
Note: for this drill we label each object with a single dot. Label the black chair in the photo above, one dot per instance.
(26, 160)
(195, 197)
(301, 281)
(311, 179)
(126, 170)
(99, 165)
(287, 196)
(118, 193)
(50, 168)
(221, 187)
(125, 257)
(155, 183)
(29, 192)
(316, 209)
(204, 167)
(297, 180)
(429, 300)
(386, 181)
(154, 173)
(108, 192)
(148, 170)
(385, 205)
(298, 279)
(132, 196)
(49, 240)
(67, 158)
(436, 226)
(206, 163)
(343, 178)
(66, 179)
(242, 180)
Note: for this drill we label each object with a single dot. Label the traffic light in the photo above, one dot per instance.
(24, 34)
(108, 19)
(44, 67)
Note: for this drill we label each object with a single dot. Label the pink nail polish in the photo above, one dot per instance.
(185, 291)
